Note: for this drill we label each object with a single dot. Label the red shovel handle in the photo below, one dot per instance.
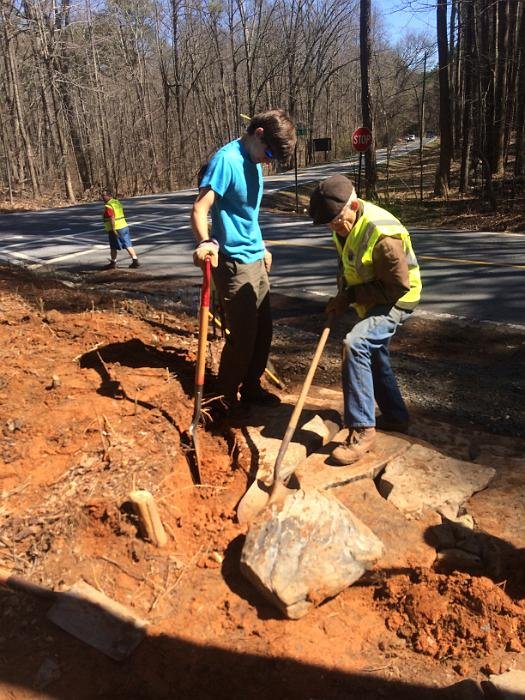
(203, 325)
(205, 290)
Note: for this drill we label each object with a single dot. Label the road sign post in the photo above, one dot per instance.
(296, 186)
(361, 141)
(300, 130)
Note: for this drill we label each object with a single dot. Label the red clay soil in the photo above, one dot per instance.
(95, 398)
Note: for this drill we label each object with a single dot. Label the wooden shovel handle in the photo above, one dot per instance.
(292, 424)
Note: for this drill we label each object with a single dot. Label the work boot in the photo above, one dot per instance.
(112, 264)
(259, 397)
(135, 263)
(357, 444)
(391, 425)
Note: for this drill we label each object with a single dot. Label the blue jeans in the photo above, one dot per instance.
(367, 374)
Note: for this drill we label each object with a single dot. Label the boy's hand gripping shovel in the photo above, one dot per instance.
(194, 456)
(260, 495)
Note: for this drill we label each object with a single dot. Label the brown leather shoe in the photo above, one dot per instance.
(358, 443)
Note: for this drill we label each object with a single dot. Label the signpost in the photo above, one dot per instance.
(300, 130)
(361, 141)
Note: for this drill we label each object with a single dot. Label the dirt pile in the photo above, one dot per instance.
(452, 617)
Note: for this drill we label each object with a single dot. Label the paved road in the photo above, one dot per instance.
(476, 275)
(321, 170)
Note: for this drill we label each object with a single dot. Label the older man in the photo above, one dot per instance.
(379, 277)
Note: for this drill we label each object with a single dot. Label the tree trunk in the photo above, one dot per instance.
(468, 63)
(366, 99)
(19, 112)
(519, 163)
(445, 150)
(500, 88)
(456, 74)
(99, 111)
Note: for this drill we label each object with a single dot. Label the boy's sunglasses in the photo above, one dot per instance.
(268, 151)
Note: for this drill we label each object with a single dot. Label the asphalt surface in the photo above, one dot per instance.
(477, 275)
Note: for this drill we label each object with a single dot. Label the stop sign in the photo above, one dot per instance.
(362, 138)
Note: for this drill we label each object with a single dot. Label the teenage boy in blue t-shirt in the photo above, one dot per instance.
(231, 189)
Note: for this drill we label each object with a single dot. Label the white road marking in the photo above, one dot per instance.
(62, 257)
(22, 256)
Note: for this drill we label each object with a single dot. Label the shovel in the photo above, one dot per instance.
(194, 457)
(87, 614)
(259, 495)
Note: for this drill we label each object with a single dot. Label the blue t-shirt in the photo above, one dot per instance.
(235, 213)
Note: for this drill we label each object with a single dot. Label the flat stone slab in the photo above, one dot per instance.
(404, 540)
(500, 509)
(264, 439)
(306, 549)
(424, 478)
(316, 472)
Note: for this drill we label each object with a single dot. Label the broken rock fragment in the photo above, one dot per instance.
(307, 549)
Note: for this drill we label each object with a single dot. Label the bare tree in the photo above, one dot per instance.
(445, 151)
(366, 98)
(500, 87)
(467, 49)
(18, 112)
(519, 163)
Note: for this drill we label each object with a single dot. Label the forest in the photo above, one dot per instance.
(138, 93)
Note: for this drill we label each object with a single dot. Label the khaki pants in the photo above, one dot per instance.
(244, 293)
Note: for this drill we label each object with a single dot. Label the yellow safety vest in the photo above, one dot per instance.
(118, 210)
(356, 253)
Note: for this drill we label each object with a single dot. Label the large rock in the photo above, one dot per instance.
(306, 549)
(423, 478)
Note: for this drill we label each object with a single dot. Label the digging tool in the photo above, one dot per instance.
(87, 614)
(195, 460)
(259, 495)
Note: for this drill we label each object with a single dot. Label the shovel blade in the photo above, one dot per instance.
(260, 496)
(97, 620)
(192, 452)
(253, 502)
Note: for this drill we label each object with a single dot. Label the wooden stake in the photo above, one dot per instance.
(148, 514)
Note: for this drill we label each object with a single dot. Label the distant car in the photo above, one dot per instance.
(410, 137)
